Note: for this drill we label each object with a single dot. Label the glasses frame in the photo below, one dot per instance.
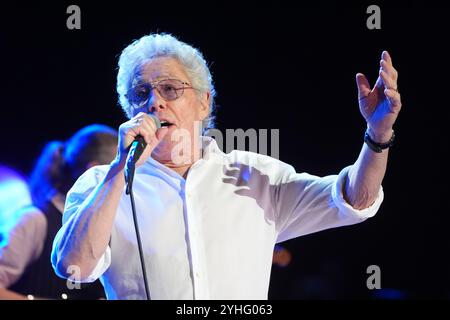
(154, 86)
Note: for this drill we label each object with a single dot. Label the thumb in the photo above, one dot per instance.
(161, 133)
(363, 86)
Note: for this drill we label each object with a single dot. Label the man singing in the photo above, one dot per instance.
(208, 223)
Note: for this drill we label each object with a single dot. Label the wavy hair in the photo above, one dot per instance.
(152, 46)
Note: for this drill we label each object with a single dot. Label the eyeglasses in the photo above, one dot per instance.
(168, 89)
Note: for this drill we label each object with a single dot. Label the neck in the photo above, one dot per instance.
(182, 170)
(180, 165)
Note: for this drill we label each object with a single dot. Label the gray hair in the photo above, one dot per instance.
(164, 45)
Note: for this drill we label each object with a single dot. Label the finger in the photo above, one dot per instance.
(147, 131)
(150, 123)
(238, 183)
(150, 120)
(235, 166)
(137, 126)
(389, 69)
(386, 56)
(363, 86)
(244, 192)
(135, 122)
(161, 133)
(394, 99)
(231, 173)
(133, 127)
(379, 84)
(229, 180)
(138, 116)
(136, 131)
(389, 83)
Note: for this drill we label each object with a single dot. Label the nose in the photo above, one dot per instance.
(156, 103)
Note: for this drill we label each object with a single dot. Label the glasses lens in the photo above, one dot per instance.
(170, 89)
(138, 95)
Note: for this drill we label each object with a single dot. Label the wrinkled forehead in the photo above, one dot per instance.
(159, 68)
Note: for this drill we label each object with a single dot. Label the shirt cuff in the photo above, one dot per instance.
(345, 208)
(102, 265)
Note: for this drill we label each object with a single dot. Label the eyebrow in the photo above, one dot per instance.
(140, 79)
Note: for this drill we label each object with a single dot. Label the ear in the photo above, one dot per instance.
(204, 105)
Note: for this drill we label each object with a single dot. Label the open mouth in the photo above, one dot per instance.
(165, 123)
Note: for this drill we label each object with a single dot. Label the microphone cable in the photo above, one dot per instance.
(136, 150)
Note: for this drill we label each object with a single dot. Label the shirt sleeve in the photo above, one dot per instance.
(306, 203)
(24, 244)
(76, 197)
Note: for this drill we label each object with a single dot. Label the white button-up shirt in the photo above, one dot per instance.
(211, 235)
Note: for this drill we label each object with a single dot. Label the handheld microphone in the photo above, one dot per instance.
(136, 149)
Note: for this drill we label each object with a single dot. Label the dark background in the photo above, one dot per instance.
(275, 65)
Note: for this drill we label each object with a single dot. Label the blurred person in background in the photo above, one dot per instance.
(25, 267)
(14, 194)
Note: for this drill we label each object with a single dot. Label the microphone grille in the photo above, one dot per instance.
(157, 122)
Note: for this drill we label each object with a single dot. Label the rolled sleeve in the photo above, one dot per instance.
(306, 204)
(345, 209)
(102, 265)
